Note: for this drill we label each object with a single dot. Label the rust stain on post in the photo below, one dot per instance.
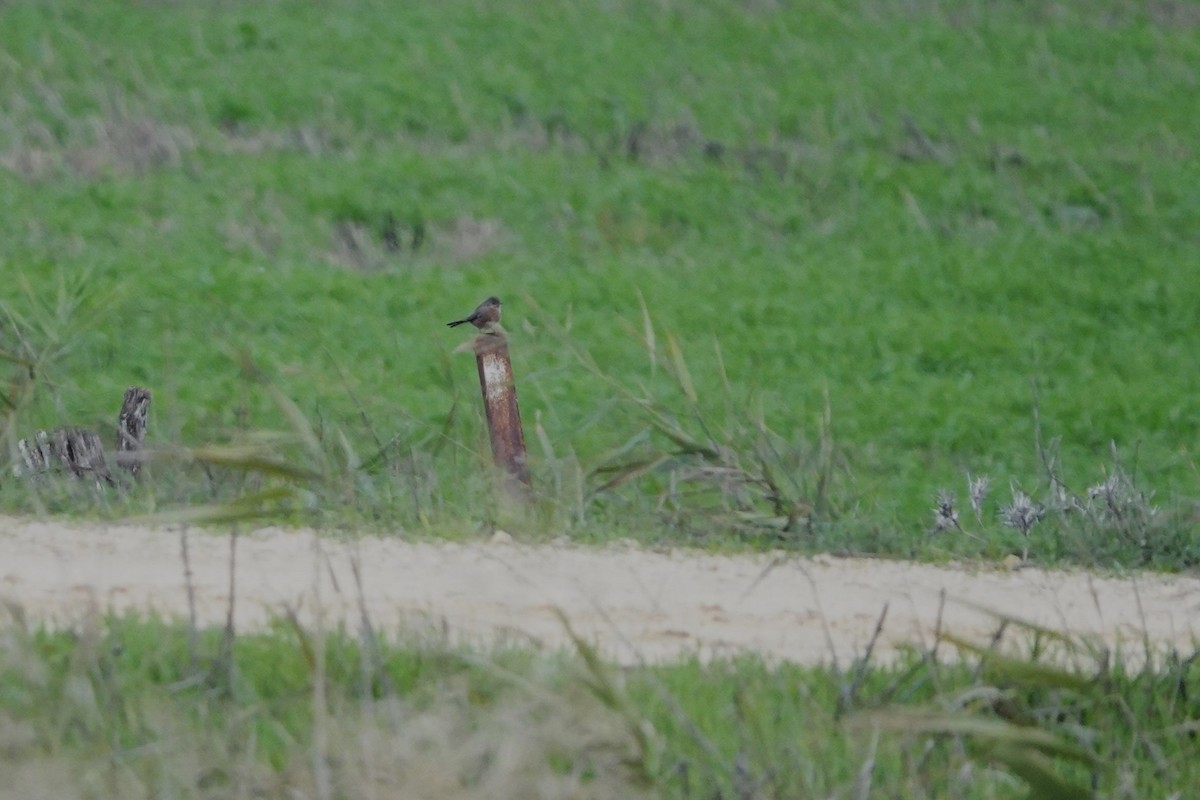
(500, 404)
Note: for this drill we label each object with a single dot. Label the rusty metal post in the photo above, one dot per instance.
(500, 404)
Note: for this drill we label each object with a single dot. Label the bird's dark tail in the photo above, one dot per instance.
(455, 323)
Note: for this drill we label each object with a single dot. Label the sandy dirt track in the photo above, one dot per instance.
(635, 604)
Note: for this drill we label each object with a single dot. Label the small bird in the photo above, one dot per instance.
(485, 315)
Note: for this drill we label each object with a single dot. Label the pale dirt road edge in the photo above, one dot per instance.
(635, 605)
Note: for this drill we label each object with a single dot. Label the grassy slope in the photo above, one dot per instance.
(917, 209)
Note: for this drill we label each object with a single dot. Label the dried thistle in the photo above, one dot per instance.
(1121, 501)
(1021, 514)
(945, 516)
(977, 488)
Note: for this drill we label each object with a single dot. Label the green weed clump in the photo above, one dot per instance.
(120, 707)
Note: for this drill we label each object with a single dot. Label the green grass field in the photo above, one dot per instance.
(917, 210)
(860, 233)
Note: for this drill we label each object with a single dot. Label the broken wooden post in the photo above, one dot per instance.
(79, 450)
(131, 427)
(75, 449)
(500, 405)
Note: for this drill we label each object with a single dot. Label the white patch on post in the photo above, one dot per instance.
(496, 374)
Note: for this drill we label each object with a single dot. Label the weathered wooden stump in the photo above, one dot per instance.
(76, 449)
(80, 451)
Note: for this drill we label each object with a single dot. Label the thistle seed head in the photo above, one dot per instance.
(945, 516)
(1022, 513)
(977, 488)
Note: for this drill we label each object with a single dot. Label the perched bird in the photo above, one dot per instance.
(485, 315)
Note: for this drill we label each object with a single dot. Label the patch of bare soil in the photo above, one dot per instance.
(634, 604)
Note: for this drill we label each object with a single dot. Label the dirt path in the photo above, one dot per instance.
(635, 604)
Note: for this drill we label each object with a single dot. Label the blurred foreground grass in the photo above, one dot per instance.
(148, 709)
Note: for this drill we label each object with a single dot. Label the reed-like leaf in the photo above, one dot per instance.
(681, 371)
(299, 423)
(1037, 770)
(983, 730)
(249, 459)
(628, 471)
(1021, 671)
(257, 505)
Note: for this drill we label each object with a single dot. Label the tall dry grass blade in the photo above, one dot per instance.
(682, 375)
(726, 386)
(444, 436)
(622, 450)
(648, 338)
(350, 459)
(308, 650)
(299, 423)
(599, 678)
(862, 784)
(257, 505)
(627, 472)
(13, 358)
(1038, 773)
(1019, 670)
(250, 458)
(668, 426)
(1070, 641)
(543, 437)
(825, 464)
(982, 730)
